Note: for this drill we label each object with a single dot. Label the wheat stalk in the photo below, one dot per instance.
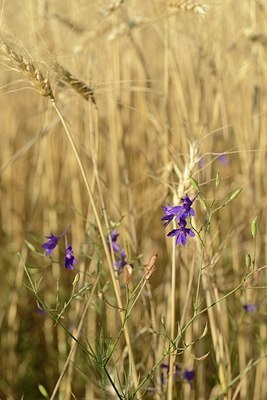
(188, 5)
(28, 69)
(79, 86)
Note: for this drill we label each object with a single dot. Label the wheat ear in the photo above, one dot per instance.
(187, 5)
(29, 69)
(79, 86)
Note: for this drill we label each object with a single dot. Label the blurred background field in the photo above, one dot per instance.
(179, 89)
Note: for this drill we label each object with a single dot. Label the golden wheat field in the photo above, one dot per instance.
(133, 195)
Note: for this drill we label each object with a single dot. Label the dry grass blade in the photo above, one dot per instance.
(70, 24)
(79, 86)
(28, 69)
(187, 5)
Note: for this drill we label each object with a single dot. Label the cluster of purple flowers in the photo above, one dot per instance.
(50, 245)
(180, 214)
(187, 375)
(119, 252)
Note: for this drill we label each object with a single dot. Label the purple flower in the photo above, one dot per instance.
(170, 213)
(165, 366)
(223, 159)
(250, 308)
(165, 369)
(188, 375)
(201, 162)
(120, 253)
(51, 243)
(120, 264)
(181, 233)
(178, 212)
(187, 210)
(69, 258)
(114, 236)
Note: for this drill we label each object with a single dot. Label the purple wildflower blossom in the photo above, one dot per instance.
(250, 308)
(114, 236)
(178, 212)
(164, 371)
(201, 162)
(120, 264)
(223, 159)
(187, 210)
(69, 258)
(165, 366)
(170, 213)
(120, 252)
(51, 243)
(188, 375)
(181, 233)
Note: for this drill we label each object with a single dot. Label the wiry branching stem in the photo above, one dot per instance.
(104, 243)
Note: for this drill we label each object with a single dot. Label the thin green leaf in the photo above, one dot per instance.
(194, 184)
(217, 180)
(203, 203)
(43, 391)
(235, 194)
(76, 279)
(30, 246)
(248, 260)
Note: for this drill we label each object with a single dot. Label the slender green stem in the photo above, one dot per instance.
(74, 343)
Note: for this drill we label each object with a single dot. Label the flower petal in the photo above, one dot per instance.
(173, 232)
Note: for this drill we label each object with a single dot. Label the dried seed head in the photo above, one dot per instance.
(128, 273)
(150, 268)
(101, 295)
